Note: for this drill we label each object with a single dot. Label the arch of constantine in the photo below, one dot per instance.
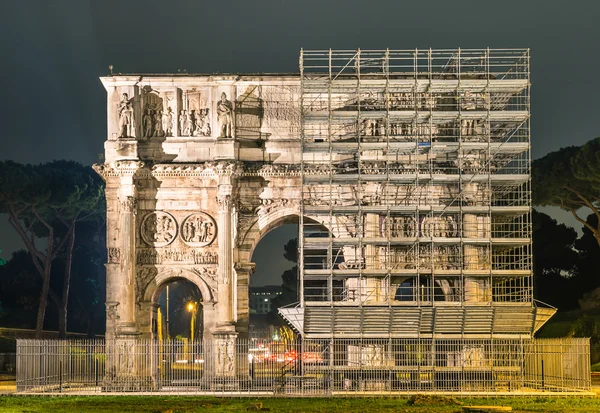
(408, 172)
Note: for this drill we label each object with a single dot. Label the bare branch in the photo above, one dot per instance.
(14, 221)
(585, 201)
(578, 218)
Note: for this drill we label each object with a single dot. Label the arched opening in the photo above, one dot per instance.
(422, 289)
(180, 311)
(191, 300)
(274, 282)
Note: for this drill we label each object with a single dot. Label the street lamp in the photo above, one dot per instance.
(192, 307)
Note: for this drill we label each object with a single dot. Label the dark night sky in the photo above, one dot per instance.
(53, 51)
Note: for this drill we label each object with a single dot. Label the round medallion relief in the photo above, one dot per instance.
(158, 229)
(198, 229)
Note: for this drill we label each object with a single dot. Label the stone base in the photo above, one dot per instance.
(128, 384)
(225, 354)
(225, 148)
(121, 149)
(225, 384)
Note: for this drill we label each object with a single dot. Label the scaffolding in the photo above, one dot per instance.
(415, 218)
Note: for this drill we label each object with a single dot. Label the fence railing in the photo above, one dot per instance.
(305, 367)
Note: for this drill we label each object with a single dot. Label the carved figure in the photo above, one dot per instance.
(167, 122)
(157, 121)
(224, 116)
(182, 118)
(158, 229)
(187, 130)
(198, 229)
(206, 131)
(147, 124)
(112, 313)
(125, 111)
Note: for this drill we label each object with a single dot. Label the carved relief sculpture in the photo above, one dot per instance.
(114, 255)
(147, 124)
(182, 123)
(198, 230)
(125, 111)
(224, 116)
(129, 204)
(158, 229)
(187, 129)
(201, 123)
(157, 122)
(143, 277)
(112, 313)
(175, 256)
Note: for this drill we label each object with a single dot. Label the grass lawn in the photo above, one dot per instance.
(180, 404)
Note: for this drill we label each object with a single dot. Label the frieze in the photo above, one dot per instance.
(114, 255)
(282, 109)
(195, 119)
(278, 170)
(158, 228)
(198, 230)
(269, 205)
(205, 170)
(151, 256)
(206, 272)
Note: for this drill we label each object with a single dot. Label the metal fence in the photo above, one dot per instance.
(305, 367)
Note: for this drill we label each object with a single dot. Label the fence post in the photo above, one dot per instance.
(543, 384)
(60, 376)
(96, 369)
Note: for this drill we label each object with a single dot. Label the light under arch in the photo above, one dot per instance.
(168, 275)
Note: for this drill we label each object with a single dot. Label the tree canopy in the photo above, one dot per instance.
(570, 179)
(44, 203)
(555, 262)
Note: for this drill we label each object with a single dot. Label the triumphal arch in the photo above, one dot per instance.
(408, 172)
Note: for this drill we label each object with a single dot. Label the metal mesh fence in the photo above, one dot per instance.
(305, 367)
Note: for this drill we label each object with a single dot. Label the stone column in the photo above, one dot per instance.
(125, 369)
(128, 210)
(225, 237)
(225, 334)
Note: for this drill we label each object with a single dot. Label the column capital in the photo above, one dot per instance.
(128, 204)
(224, 201)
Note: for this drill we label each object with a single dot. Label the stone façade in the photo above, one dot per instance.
(197, 170)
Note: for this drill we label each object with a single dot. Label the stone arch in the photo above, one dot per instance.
(167, 275)
(267, 222)
(148, 307)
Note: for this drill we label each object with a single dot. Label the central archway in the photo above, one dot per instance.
(205, 285)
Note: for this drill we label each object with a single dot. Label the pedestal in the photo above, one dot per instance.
(225, 148)
(130, 367)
